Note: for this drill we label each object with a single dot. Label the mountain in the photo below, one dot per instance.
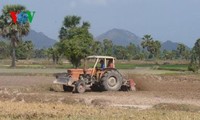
(39, 39)
(120, 37)
(169, 45)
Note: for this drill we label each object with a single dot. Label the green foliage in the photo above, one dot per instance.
(195, 57)
(181, 48)
(120, 52)
(75, 40)
(54, 53)
(77, 49)
(4, 50)
(139, 56)
(153, 46)
(40, 53)
(197, 51)
(97, 48)
(131, 51)
(193, 67)
(12, 31)
(108, 47)
(173, 67)
(24, 50)
(187, 54)
(169, 55)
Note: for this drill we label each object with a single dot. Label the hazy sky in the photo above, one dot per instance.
(175, 20)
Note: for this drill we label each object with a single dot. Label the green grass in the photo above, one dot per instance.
(131, 65)
(172, 67)
(30, 71)
(175, 67)
(119, 65)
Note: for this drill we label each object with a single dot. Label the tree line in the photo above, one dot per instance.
(76, 42)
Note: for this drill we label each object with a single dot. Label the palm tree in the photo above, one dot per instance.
(10, 30)
(152, 46)
(146, 41)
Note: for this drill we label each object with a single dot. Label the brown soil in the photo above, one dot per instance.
(151, 90)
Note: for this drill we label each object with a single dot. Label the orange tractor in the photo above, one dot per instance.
(103, 77)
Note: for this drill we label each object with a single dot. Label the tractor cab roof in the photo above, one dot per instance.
(100, 57)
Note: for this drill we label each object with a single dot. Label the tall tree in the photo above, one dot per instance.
(181, 48)
(132, 51)
(187, 54)
(12, 31)
(157, 46)
(195, 57)
(108, 47)
(76, 40)
(197, 50)
(120, 52)
(152, 46)
(97, 48)
(146, 42)
(55, 52)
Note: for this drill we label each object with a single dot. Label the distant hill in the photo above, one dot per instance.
(120, 37)
(39, 39)
(169, 45)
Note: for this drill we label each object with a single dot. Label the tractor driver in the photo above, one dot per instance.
(99, 70)
(102, 64)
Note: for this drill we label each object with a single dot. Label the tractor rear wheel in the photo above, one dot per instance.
(80, 87)
(112, 80)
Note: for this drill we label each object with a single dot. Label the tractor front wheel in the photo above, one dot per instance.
(80, 87)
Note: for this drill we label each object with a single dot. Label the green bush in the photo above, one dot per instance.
(193, 67)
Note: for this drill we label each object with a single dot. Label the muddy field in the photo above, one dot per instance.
(165, 91)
